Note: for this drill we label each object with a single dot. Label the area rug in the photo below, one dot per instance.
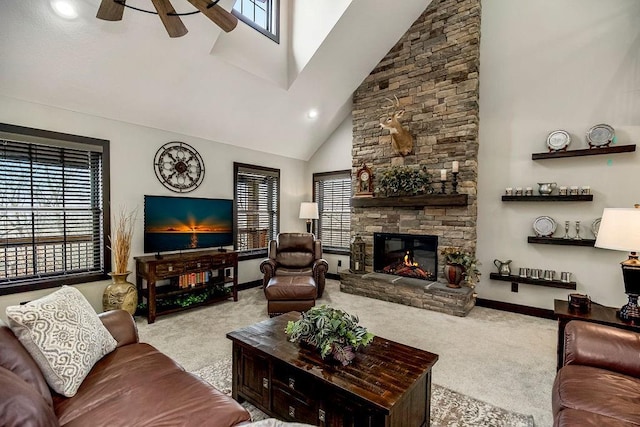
(448, 408)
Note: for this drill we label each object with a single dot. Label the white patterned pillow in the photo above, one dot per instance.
(64, 335)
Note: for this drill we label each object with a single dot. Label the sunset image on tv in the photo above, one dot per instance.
(179, 223)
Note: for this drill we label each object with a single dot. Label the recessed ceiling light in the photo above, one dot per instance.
(64, 8)
(312, 114)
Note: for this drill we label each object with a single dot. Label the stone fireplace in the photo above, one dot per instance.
(433, 71)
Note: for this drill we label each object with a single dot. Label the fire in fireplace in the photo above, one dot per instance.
(408, 255)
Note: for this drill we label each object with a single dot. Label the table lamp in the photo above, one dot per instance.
(620, 230)
(308, 211)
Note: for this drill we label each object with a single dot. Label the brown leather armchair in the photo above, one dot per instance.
(295, 254)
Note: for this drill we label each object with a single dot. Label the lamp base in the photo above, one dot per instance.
(308, 226)
(630, 312)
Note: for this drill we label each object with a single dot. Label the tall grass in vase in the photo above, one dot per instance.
(121, 294)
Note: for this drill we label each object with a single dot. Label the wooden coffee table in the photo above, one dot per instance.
(387, 384)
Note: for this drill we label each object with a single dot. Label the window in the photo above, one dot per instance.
(52, 216)
(262, 15)
(332, 192)
(257, 205)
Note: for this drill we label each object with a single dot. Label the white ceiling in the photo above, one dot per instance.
(237, 88)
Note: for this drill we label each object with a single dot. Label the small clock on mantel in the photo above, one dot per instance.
(365, 182)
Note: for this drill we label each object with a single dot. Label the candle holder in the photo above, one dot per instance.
(577, 231)
(454, 183)
(443, 189)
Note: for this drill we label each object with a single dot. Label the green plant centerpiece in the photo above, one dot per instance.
(403, 181)
(467, 262)
(330, 330)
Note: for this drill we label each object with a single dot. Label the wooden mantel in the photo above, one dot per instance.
(417, 202)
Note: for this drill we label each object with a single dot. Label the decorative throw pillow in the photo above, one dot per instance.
(64, 335)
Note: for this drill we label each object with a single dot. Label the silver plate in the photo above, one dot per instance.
(544, 226)
(595, 226)
(558, 140)
(600, 135)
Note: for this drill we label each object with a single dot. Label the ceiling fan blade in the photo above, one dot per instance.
(172, 23)
(217, 14)
(110, 10)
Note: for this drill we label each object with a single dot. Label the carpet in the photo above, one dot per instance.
(448, 408)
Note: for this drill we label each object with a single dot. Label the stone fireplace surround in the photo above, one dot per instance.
(433, 70)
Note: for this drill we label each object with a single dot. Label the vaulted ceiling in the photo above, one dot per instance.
(238, 88)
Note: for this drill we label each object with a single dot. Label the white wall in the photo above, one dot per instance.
(549, 65)
(132, 176)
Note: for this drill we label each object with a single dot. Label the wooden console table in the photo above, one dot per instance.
(598, 314)
(221, 266)
(387, 385)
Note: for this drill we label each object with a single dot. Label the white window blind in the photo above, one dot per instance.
(332, 192)
(51, 212)
(257, 201)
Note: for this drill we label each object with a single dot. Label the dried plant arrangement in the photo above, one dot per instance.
(121, 241)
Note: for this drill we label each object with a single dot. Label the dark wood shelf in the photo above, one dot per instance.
(538, 198)
(411, 201)
(585, 152)
(173, 290)
(560, 241)
(538, 282)
(211, 300)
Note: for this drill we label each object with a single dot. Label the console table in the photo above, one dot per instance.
(598, 314)
(388, 384)
(219, 268)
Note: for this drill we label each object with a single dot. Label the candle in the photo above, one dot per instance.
(455, 166)
(443, 174)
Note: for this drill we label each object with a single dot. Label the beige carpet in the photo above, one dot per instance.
(504, 359)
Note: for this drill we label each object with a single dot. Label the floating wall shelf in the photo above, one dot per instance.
(538, 282)
(411, 201)
(577, 198)
(560, 241)
(585, 152)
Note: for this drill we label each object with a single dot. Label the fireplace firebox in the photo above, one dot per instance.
(407, 255)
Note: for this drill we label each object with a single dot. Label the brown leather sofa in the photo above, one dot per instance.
(599, 383)
(135, 385)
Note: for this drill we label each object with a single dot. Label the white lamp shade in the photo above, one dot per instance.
(619, 229)
(308, 210)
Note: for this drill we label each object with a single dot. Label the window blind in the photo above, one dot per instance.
(51, 212)
(332, 192)
(257, 201)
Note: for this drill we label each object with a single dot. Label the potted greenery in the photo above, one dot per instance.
(331, 331)
(403, 181)
(460, 265)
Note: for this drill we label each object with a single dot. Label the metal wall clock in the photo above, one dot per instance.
(179, 167)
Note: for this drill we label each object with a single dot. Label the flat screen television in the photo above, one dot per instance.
(184, 223)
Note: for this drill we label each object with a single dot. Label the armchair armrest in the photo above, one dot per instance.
(121, 326)
(602, 346)
(320, 268)
(268, 269)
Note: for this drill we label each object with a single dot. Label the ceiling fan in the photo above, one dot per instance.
(112, 10)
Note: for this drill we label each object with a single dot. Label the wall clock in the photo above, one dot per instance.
(179, 167)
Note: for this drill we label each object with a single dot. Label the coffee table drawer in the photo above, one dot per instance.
(293, 381)
(290, 408)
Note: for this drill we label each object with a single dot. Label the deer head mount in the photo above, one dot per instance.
(401, 139)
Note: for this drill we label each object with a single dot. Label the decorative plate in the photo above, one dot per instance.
(595, 226)
(544, 226)
(179, 167)
(600, 136)
(558, 140)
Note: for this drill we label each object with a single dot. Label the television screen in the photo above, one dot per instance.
(182, 223)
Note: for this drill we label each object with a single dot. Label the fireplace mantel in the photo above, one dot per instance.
(411, 201)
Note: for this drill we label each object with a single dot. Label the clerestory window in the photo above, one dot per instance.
(262, 15)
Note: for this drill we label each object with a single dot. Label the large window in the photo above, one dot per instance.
(257, 205)
(52, 215)
(332, 192)
(263, 15)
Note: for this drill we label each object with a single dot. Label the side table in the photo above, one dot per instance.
(598, 314)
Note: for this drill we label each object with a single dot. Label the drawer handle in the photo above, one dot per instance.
(292, 411)
(170, 268)
(321, 415)
(265, 383)
(292, 383)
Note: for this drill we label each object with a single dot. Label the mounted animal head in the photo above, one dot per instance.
(401, 139)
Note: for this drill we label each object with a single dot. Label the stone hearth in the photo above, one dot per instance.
(418, 293)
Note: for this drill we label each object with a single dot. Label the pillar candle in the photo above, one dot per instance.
(455, 165)
(443, 174)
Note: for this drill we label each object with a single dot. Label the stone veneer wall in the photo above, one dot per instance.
(433, 70)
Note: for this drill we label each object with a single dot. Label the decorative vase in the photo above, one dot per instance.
(120, 294)
(454, 274)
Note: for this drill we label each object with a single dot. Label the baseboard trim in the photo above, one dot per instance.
(249, 285)
(516, 308)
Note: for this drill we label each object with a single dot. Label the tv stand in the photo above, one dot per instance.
(222, 250)
(201, 275)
